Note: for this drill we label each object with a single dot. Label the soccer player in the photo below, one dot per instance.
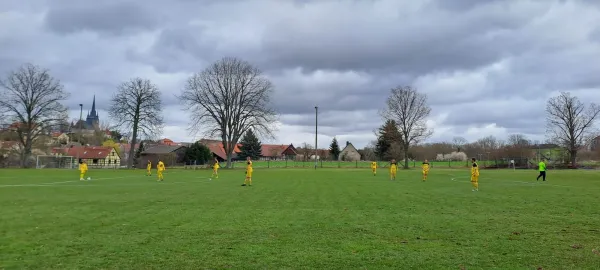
(83, 168)
(475, 175)
(542, 168)
(216, 167)
(160, 168)
(393, 169)
(425, 167)
(149, 168)
(374, 167)
(248, 180)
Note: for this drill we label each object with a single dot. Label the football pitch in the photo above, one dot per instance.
(299, 219)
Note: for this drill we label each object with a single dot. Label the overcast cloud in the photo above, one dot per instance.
(487, 66)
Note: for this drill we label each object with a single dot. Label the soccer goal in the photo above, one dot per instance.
(61, 162)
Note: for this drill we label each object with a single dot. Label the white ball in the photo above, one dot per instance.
(209, 179)
(89, 178)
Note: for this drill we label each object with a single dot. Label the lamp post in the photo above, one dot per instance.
(80, 123)
(80, 129)
(316, 124)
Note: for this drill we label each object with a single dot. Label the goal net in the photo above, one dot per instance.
(61, 162)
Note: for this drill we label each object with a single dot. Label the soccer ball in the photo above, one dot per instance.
(209, 179)
(89, 178)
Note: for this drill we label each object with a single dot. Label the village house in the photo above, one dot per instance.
(170, 155)
(349, 153)
(94, 156)
(278, 152)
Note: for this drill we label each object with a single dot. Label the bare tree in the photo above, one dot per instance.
(30, 98)
(409, 109)
(458, 143)
(570, 122)
(518, 140)
(228, 98)
(137, 107)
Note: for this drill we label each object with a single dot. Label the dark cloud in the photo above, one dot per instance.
(112, 17)
(488, 67)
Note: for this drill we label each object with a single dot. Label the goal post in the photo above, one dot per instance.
(54, 162)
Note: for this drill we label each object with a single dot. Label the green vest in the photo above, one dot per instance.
(542, 166)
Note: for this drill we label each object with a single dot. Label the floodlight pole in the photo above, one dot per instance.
(316, 124)
(80, 129)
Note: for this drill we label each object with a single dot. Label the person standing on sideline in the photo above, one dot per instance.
(542, 168)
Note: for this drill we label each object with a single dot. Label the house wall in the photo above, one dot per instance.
(175, 158)
(349, 154)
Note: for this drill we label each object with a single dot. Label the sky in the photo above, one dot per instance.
(487, 67)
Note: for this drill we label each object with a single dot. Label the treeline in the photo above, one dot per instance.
(231, 96)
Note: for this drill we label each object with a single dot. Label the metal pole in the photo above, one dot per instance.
(80, 128)
(80, 123)
(316, 124)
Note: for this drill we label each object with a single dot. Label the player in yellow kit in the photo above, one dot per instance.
(248, 180)
(83, 168)
(160, 168)
(216, 167)
(149, 168)
(374, 167)
(393, 169)
(425, 167)
(475, 175)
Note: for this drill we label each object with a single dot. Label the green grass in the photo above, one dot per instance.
(299, 219)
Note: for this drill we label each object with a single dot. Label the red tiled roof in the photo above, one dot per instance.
(125, 147)
(166, 141)
(216, 147)
(276, 150)
(84, 152)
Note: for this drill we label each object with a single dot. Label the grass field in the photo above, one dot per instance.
(299, 219)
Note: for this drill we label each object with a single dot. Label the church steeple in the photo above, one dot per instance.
(93, 112)
(92, 120)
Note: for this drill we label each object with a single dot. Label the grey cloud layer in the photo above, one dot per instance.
(480, 62)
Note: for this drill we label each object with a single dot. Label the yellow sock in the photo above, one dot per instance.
(250, 181)
(81, 175)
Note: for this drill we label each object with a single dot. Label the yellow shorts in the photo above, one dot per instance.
(393, 172)
(426, 172)
(249, 174)
(474, 178)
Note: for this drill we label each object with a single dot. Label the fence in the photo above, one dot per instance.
(356, 164)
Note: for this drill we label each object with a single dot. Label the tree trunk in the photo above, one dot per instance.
(26, 153)
(573, 154)
(405, 156)
(133, 142)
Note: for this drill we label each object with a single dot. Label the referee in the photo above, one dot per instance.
(542, 167)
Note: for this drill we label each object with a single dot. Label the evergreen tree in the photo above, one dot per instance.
(334, 149)
(388, 140)
(138, 153)
(251, 146)
(197, 153)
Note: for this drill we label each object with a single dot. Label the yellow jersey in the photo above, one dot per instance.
(249, 166)
(373, 165)
(425, 166)
(160, 166)
(216, 166)
(83, 167)
(149, 166)
(393, 166)
(475, 169)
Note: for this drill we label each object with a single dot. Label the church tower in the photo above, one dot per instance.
(92, 120)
